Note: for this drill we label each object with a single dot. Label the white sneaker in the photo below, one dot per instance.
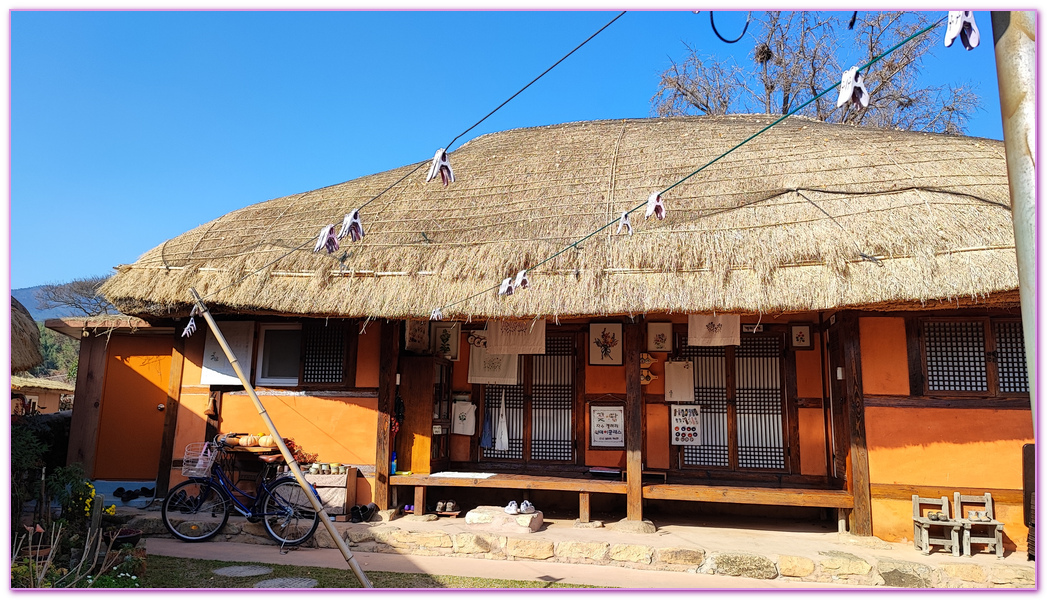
(526, 508)
(512, 509)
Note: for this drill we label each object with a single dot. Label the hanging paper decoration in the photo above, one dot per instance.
(961, 23)
(522, 283)
(655, 206)
(436, 315)
(506, 288)
(852, 89)
(440, 166)
(352, 226)
(327, 239)
(623, 223)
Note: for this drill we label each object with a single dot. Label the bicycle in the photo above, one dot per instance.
(197, 510)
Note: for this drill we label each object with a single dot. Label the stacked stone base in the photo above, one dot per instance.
(827, 567)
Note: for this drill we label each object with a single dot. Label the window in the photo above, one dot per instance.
(984, 357)
(540, 411)
(316, 354)
(740, 393)
(279, 354)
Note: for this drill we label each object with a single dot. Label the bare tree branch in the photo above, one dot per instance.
(79, 294)
(794, 59)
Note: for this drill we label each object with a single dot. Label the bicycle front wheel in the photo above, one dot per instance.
(195, 511)
(289, 515)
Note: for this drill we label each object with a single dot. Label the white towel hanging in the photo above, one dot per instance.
(501, 429)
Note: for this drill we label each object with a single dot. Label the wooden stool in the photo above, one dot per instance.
(922, 525)
(984, 530)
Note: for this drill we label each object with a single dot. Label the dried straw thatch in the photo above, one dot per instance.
(25, 339)
(748, 234)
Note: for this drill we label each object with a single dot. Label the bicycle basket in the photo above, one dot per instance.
(199, 456)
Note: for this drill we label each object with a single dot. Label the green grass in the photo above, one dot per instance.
(170, 572)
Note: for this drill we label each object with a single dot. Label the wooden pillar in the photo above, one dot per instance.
(87, 408)
(388, 360)
(174, 395)
(633, 423)
(861, 516)
(584, 511)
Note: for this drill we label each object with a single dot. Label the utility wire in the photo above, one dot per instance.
(420, 164)
(575, 244)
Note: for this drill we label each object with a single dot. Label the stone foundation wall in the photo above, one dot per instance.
(827, 567)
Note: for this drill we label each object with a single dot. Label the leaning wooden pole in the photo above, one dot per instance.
(291, 462)
(1014, 36)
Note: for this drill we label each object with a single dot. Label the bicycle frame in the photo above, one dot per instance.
(219, 478)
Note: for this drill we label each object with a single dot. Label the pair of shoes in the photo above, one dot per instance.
(355, 516)
(409, 508)
(145, 491)
(366, 512)
(446, 506)
(525, 508)
(129, 496)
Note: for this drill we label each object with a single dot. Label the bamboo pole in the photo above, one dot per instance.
(1014, 37)
(291, 462)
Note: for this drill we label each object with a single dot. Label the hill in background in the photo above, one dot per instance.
(27, 296)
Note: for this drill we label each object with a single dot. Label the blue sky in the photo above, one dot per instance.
(129, 128)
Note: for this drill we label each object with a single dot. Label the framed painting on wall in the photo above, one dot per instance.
(446, 340)
(659, 337)
(416, 336)
(605, 343)
(800, 337)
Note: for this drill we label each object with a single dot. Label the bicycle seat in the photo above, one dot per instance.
(271, 458)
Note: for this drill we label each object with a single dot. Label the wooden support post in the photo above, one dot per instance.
(841, 517)
(633, 423)
(584, 512)
(174, 395)
(388, 361)
(861, 516)
(87, 410)
(419, 499)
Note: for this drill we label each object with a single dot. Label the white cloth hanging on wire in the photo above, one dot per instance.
(501, 429)
(709, 330)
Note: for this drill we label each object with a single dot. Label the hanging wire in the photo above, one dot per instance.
(448, 146)
(576, 243)
(415, 169)
(864, 256)
(748, 19)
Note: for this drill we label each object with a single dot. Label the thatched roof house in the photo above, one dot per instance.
(25, 339)
(750, 233)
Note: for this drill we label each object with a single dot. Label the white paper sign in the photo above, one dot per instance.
(685, 425)
(607, 426)
(216, 368)
(516, 337)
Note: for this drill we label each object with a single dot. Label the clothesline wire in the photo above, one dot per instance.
(474, 125)
(576, 243)
(420, 164)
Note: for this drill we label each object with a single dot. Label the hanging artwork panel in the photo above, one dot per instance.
(685, 425)
(605, 343)
(516, 337)
(710, 330)
(659, 337)
(416, 335)
(679, 381)
(485, 367)
(446, 339)
(216, 369)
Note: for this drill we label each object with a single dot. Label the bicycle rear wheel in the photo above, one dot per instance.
(195, 511)
(288, 514)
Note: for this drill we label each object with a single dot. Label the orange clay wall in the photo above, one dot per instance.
(953, 449)
(338, 429)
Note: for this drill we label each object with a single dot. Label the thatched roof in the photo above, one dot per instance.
(747, 234)
(25, 339)
(36, 383)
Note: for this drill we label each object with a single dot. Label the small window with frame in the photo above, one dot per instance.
(279, 354)
(973, 356)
